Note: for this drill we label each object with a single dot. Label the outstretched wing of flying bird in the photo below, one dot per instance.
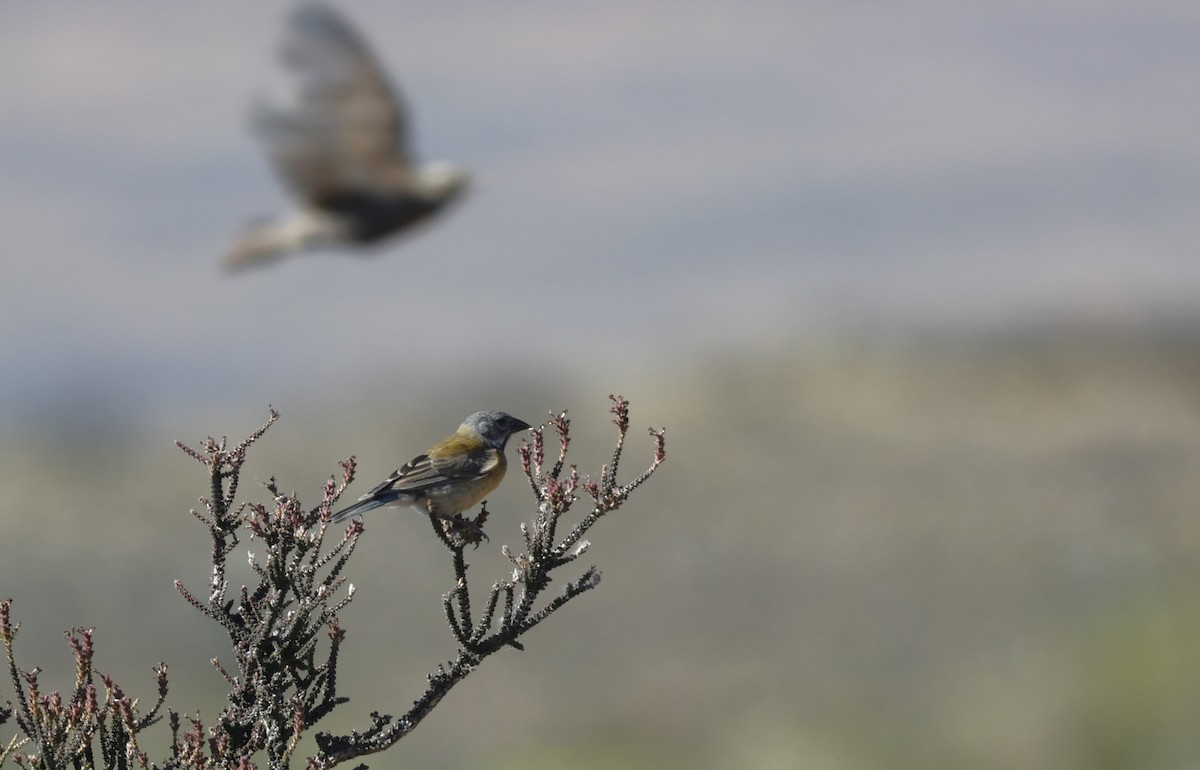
(349, 128)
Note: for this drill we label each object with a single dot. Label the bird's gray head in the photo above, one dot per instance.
(442, 181)
(494, 427)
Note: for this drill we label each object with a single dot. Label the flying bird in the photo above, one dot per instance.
(343, 150)
(453, 475)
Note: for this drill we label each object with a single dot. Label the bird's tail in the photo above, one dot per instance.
(259, 245)
(359, 508)
(265, 242)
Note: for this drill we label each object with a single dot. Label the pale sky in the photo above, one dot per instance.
(663, 175)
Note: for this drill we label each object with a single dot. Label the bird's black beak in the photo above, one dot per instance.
(519, 425)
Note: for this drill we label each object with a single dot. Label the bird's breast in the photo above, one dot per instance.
(458, 496)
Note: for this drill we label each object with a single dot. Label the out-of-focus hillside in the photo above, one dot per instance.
(959, 552)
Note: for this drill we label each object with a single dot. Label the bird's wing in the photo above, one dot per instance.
(349, 129)
(428, 471)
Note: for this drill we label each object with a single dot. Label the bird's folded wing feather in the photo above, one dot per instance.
(426, 471)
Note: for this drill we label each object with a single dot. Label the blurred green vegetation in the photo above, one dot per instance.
(941, 552)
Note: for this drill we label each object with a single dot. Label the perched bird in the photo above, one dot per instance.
(343, 150)
(453, 475)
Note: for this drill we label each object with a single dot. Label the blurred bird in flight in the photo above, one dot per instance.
(453, 475)
(343, 150)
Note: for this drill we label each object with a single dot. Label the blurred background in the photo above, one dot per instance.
(912, 287)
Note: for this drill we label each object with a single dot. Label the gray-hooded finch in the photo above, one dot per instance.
(453, 475)
(343, 150)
